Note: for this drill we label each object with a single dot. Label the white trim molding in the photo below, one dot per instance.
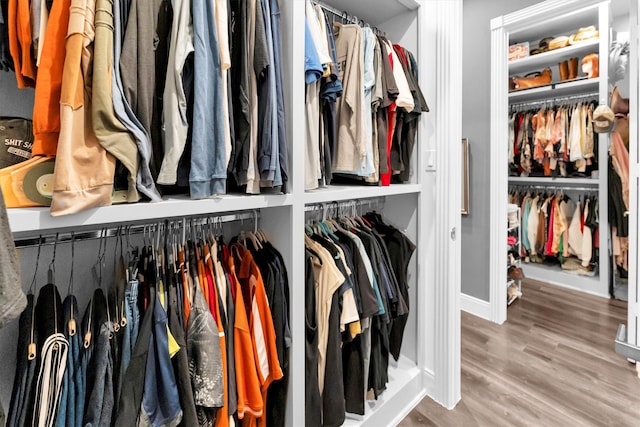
(525, 20)
(475, 306)
(444, 23)
(633, 308)
(498, 175)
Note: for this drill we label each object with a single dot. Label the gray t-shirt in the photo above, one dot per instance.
(12, 299)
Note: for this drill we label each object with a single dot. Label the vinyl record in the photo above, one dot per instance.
(38, 183)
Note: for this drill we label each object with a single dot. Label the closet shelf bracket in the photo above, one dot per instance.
(623, 348)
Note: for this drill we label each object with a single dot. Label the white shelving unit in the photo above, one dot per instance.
(548, 18)
(344, 192)
(427, 208)
(514, 229)
(555, 90)
(542, 60)
(27, 221)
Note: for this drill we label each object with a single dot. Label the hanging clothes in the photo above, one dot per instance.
(67, 414)
(139, 109)
(553, 141)
(12, 299)
(84, 176)
(139, 358)
(559, 230)
(353, 135)
(22, 397)
(357, 271)
(112, 134)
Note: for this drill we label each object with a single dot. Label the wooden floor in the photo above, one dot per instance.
(551, 364)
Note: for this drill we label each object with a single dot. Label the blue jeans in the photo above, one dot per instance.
(132, 314)
(208, 159)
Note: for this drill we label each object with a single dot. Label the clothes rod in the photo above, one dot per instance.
(346, 16)
(556, 187)
(344, 204)
(334, 11)
(557, 99)
(123, 230)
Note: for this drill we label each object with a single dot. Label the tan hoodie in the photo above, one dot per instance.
(83, 176)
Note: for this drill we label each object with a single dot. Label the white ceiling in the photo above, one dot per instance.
(620, 7)
(373, 12)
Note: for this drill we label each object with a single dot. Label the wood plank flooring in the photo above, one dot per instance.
(552, 363)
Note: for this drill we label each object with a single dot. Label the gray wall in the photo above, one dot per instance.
(476, 89)
(476, 126)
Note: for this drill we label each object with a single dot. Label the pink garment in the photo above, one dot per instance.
(620, 159)
(557, 134)
(538, 124)
(549, 244)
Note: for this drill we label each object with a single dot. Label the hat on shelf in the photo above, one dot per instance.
(603, 118)
(16, 137)
(584, 34)
(559, 42)
(543, 46)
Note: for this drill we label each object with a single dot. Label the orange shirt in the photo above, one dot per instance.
(185, 286)
(222, 416)
(247, 380)
(46, 109)
(261, 323)
(19, 28)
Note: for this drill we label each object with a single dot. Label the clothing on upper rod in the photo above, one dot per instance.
(363, 102)
(197, 113)
(173, 339)
(553, 141)
(346, 17)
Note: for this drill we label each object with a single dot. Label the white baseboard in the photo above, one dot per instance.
(404, 391)
(475, 306)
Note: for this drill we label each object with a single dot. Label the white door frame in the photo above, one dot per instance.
(500, 28)
(441, 50)
(633, 308)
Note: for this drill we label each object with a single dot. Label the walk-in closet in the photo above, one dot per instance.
(197, 170)
(563, 88)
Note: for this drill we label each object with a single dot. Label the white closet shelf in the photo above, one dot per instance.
(32, 221)
(544, 180)
(555, 90)
(405, 384)
(374, 12)
(553, 57)
(335, 193)
(564, 20)
(556, 276)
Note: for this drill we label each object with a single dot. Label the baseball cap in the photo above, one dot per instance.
(16, 140)
(603, 119)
